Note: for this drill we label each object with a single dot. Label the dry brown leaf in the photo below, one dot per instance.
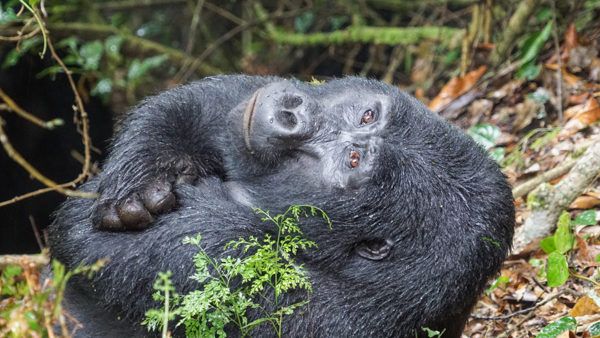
(585, 202)
(580, 117)
(583, 252)
(584, 306)
(508, 89)
(571, 38)
(569, 79)
(456, 87)
(526, 111)
(578, 98)
(420, 94)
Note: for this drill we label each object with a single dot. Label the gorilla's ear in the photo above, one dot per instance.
(375, 249)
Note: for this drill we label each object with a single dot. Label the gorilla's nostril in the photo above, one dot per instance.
(287, 119)
(291, 102)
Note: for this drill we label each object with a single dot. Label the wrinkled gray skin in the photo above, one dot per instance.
(421, 216)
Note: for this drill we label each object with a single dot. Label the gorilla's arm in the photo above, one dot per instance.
(123, 288)
(169, 138)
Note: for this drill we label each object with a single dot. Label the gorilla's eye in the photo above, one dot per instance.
(375, 249)
(354, 159)
(368, 117)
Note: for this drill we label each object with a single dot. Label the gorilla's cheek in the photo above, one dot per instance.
(349, 165)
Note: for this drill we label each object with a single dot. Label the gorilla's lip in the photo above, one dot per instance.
(248, 117)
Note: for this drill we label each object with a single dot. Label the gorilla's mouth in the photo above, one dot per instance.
(248, 116)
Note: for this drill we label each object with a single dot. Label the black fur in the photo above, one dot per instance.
(421, 188)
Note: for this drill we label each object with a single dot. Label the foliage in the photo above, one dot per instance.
(232, 286)
(554, 329)
(530, 50)
(560, 243)
(486, 135)
(594, 329)
(535, 140)
(433, 333)
(32, 308)
(501, 281)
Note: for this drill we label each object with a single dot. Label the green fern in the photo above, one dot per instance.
(232, 286)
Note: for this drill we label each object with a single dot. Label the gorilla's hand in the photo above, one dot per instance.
(139, 202)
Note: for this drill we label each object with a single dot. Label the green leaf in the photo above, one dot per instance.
(15, 54)
(555, 328)
(532, 47)
(536, 263)
(557, 269)
(451, 56)
(563, 237)
(499, 282)
(594, 330)
(337, 21)
(7, 15)
(70, 42)
(485, 134)
(529, 71)
(304, 21)
(103, 87)
(547, 244)
(544, 15)
(137, 68)
(433, 333)
(91, 53)
(587, 217)
(497, 154)
(112, 46)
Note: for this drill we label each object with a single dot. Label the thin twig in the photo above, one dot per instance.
(559, 80)
(20, 36)
(522, 311)
(83, 120)
(227, 36)
(40, 259)
(189, 47)
(16, 156)
(14, 107)
(527, 187)
(36, 232)
(82, 123)
(40, 23)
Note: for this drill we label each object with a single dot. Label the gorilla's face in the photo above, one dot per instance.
(325, 137)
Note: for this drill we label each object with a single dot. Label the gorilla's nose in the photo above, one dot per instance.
(291, 120)
(284, 117)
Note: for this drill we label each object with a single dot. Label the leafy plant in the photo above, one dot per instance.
(530, 50)
(499, 282)
(31, 306)
(433, 333)
(233, 286)
(540, 136)
(559, 244)
(486, 135)
(594, 329)
(557, 327)
(556, 246)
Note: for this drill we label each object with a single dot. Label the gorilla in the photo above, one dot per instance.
(422, 217)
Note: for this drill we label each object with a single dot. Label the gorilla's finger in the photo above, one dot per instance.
(133, 214)
(158, 197)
